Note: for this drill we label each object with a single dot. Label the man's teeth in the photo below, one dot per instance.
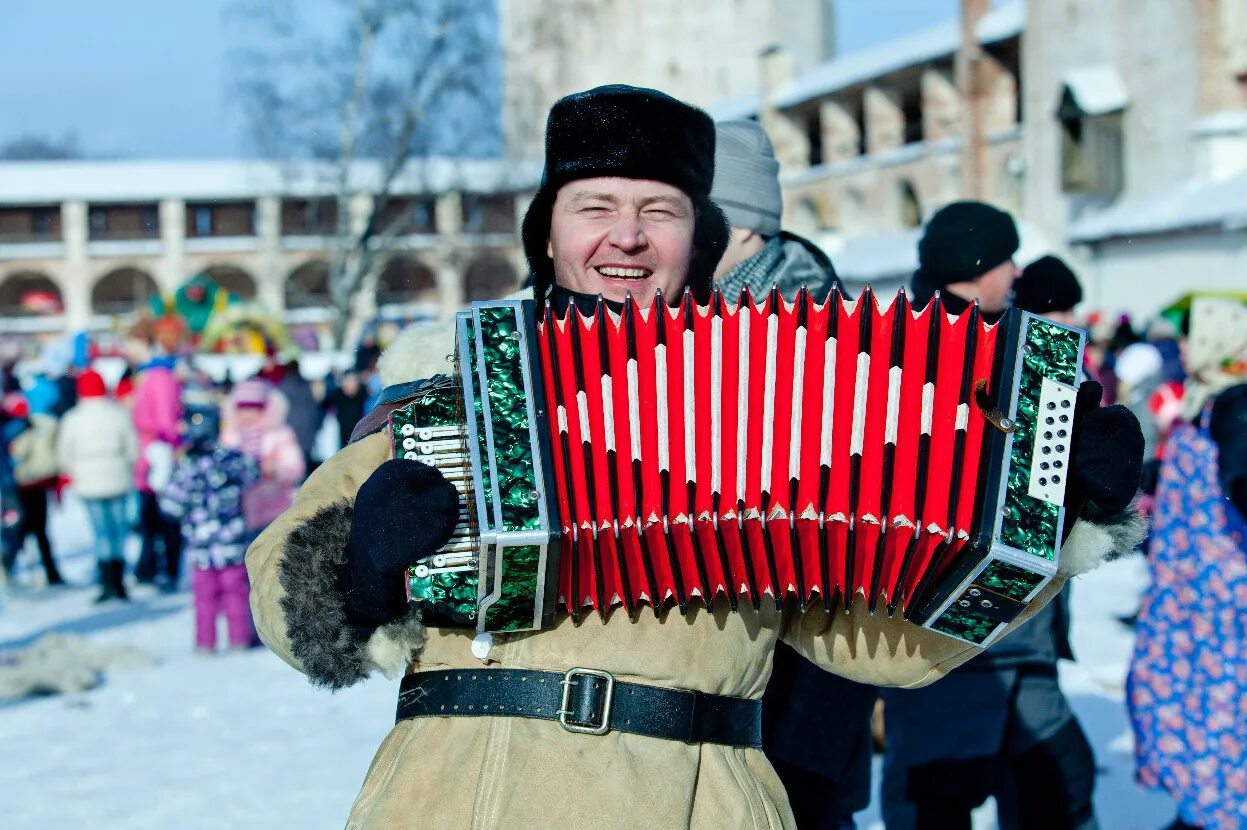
(627, 273)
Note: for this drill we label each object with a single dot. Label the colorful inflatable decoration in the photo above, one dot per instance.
(245, 329)
(195, 302)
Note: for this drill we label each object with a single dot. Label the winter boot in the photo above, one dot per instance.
(119, 579)
(107, 590)
(112, 582)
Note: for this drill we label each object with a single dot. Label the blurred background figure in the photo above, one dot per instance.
(254, 423)
(347, 402)
(1048, 287)
(1187, 686)
(30, 438)
(97, 448)
(759, 253)
(157, 410)
(304, 414)
(205, 495)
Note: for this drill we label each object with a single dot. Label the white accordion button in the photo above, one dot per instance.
(481, 644)
(408, 430)
(409, 443)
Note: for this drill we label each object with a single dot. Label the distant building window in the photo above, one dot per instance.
(203, 221)
(910, 208)
(220, 219)
(43, 222)
(814, 135)
(911, 109)
(309, 217)
(123, 222)
(30, 224)
(1090, 114)
(488, 214)
(404, 217)
(422, 216)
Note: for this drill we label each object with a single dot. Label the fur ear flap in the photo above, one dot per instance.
(334, 652)
(1092, 543)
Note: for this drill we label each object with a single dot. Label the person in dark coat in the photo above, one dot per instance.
(999, 725)
(815, 725)
(305, 415)
(347, 401)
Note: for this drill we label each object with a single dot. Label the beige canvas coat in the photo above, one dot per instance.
(498, 772)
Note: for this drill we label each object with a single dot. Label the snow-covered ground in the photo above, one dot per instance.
(241, 741)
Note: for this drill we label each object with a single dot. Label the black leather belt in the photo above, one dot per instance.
(584, 700)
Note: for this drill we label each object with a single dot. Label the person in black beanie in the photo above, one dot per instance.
(966, 253)
(1049, 288)
(490, 726)
(1005, 724)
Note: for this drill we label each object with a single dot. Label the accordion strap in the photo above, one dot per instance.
(587, 701)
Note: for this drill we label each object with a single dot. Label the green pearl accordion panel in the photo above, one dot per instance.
(1054, 352)
(513, 452)
(1019, 556)
(515, 606)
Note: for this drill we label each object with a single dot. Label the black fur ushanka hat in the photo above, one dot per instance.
(633, 133)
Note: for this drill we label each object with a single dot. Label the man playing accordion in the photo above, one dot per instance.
(637, 720)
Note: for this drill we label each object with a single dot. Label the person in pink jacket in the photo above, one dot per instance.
(254, 422)
(157, 411)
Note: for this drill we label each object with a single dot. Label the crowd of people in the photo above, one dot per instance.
(198, 471)
(191, 468)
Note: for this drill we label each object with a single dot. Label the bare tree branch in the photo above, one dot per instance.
(383, 89)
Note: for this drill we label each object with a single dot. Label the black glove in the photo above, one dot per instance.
(403, 512)
(1106, 456)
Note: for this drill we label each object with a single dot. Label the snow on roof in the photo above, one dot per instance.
(1194, 204)
(1097, 90)
(876, 256)
(1225, 122)
(858, 67)
(33, 182)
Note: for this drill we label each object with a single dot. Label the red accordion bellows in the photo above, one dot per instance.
(764, 448)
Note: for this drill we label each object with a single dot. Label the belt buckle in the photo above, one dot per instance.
(568, 681)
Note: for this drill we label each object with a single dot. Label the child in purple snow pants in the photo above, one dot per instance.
(205, 496)
(222, 591)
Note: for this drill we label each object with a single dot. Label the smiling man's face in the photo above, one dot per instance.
(612, 236)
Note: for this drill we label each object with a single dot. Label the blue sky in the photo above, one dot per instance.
(150, 78)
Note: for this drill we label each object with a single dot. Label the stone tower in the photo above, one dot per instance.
(702, 51)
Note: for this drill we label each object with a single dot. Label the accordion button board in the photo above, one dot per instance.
(825, 452)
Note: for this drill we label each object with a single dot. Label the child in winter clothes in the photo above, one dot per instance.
(254, 423)
(204, 494)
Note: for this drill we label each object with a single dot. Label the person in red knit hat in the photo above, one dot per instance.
(97, 448)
